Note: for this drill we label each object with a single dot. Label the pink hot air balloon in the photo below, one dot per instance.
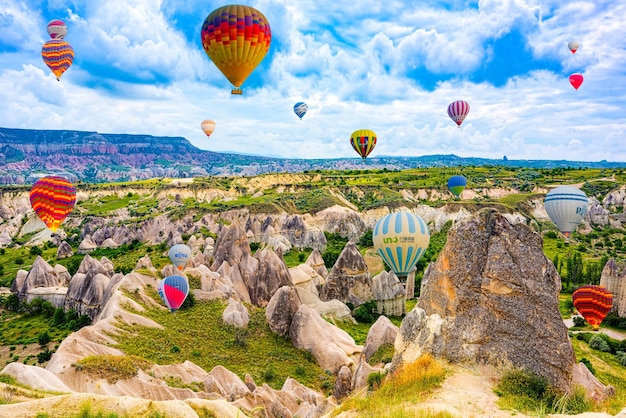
(457, 111)
(173, 290)
(576, 80)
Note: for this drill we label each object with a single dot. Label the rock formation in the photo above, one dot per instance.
(389, 294)
(42, 281)
(382, 332)
(281, 309)
(316, 262)
(613, 278)
(272, 274)
(349, 280)
(64, 250)
(491, 298)
(236, 314)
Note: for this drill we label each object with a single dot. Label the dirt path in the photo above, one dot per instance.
(616, 335)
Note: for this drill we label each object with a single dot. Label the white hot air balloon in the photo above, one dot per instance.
(179, 255)
(573, 46)
(566, 206)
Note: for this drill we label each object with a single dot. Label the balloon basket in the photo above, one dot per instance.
(236, 91)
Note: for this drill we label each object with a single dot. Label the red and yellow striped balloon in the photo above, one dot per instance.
(58, 56)
(236, 38)
(52, 198)
(363, 141)
(593, 303)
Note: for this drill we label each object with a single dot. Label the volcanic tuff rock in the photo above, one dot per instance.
(613, 278)
(491, 298)
(42, 280)
(389, 294)
(236, 314)
(272, 274)
(316, 262)
(341, 220)
(349, 280)
(64, 250)
(281, 309)
(382, 332)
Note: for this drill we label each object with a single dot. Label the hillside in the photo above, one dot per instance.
(340, 204)
(99, 157)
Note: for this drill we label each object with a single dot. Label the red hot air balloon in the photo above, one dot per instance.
(576, 80)
(173, 290)
(593, 303)
(52, 198)
(458, 110)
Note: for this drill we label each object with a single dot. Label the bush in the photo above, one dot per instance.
(523, 383)
(35, 251)
(58, 318)
(19, 261)
(598, 343)
(374, 380)
(44, 338)
(621, 357)
(579, 321)
(44, 356)
(363, 313)
(550, 234)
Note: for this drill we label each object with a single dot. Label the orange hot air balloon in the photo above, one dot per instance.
(576, 80)
(208, 126)
(58, 56)
(593, 303)
(52, 198)
(236, 38)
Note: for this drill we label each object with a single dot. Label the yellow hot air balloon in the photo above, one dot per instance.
(363, 141)
(208, 126)
(236, 38)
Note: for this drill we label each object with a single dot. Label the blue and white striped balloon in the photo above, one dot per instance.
(401, 239)
(300, 109)
(566, 206)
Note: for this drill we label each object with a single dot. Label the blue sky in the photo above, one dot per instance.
(392, 67)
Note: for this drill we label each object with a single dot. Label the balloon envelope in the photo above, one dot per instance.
(52, 198)
(208, 126)
(456, 184)
(57, 29)
(458, 110)
(58, 56)
(566, 206)
(236, 38)
(363, 141)
(573, 46)
(173, 290)
(593, 303)
(401, 239)
(300, 109)
(576, 80)
(179, 255)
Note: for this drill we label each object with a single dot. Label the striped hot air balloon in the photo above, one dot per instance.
(458, 110)
(57, 29)
(401, 239)
(236, 38)
(363, 141)
(208, 126)
(456, 184)
(58, 56)
(593, 303)
(300, 109)
(173, 290)
(52, 198)
(566, 206)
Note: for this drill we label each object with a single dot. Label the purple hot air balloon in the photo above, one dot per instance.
(173, 290)
(457, 111)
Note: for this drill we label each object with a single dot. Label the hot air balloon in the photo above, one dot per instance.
(236, 38)
(363, 141)
(300, 109)
(576, 80)
(401, 239)
(566, 206)
(179, 255)
(458, 110)
(573, 46)
(173, 290)
(57, 29)
(593, 303)
(208, 126)
(456, 184)
(58, 55)
(52, 198)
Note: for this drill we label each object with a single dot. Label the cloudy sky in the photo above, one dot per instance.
(391, 66)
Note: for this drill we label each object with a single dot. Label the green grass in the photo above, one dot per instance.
(266, 356)
(19, 329)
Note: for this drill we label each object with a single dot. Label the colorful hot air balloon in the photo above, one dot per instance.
(52, 198)
(57, 29)
(456, 184)
(300, 109)
(179, 255)
(593, 303)
(566, 206)
(401, 239)
(208, 126)
(573, 46)
(236, 38)
(58, 55)
(363, 141)
(458, 110)
(576, 80)
(173, 290)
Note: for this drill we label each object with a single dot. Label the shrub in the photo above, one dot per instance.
(19, 261)
(550, 234)
(111, 368)
(44, 356)
(621, 357)
(523, 383)
(58, 318)
(374, 380)
(579, 321)
(35, 251)
(44, 338)
(269, 374)
(598, 343)
(384, 354)
(363, 313)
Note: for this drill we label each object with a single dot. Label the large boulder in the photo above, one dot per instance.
(236, 314)
(491, 298)
(382, 332)
(349, 280)
(64, 250)
(316, 262)
(232, 247)
(40, 275)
